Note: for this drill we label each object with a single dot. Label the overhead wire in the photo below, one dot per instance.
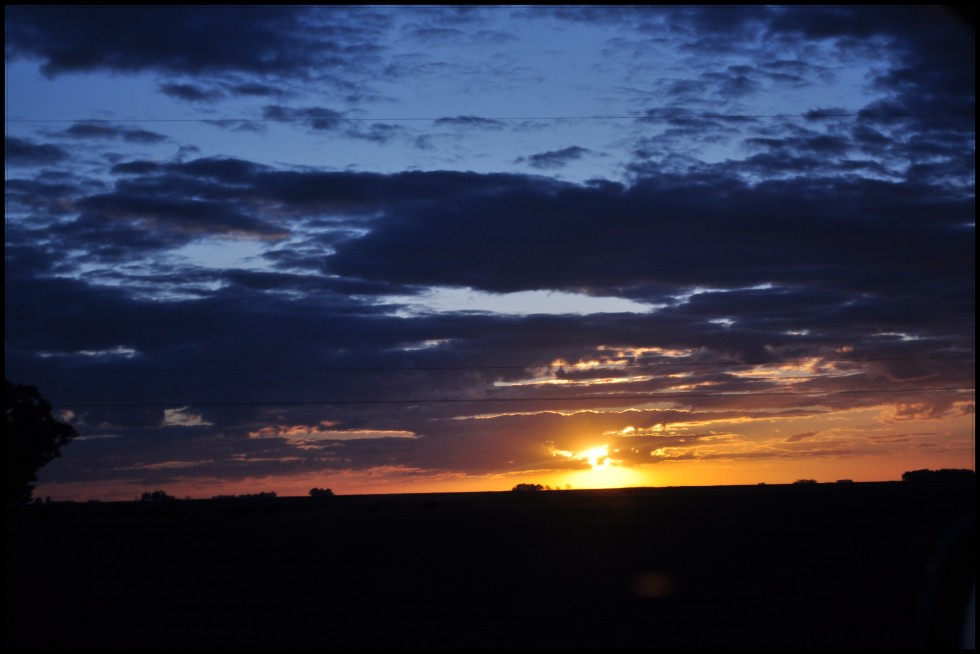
(632, 397)
(680, 114)
(529, 366)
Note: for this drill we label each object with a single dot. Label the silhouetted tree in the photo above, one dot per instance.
(528, 487)
(33, 438)
(805, 481)
(945, 475)
(321, 492)
(156, 496)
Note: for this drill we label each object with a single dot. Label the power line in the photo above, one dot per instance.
(648, 397)
(809, 116)
(566, 366)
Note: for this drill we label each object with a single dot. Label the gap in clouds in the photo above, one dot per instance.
(523, 303)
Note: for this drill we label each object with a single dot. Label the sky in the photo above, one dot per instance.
(389, 249)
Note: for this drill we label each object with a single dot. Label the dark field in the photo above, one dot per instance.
(882, 565)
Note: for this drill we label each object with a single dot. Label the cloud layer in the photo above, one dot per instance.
(239, 297)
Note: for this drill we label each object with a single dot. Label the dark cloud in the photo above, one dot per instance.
(832, 112)
(470, 121)
(191, 92)
(343, 290)
(110, 131)
(173, 39)
(794, 68)
(316, 118)
(657, 240)
(220, 169)
(321, 119)
(235, 125)
(256, 89)
(92, 130)
(821, 145)
(850, 234)
(376, 132)
(423, 142)
(22, 152)
(934, 71)
(46, 197)
(731, 84)
(836, 22)
(454, 16)
(555, 158)
(685, 90)
(135, 168)
(725, 87)
(185, 216)
(142, 136)
(680, 117)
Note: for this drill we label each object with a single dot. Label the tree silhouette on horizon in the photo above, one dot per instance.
(33, 438)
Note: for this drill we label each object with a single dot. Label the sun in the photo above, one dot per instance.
(604, 471)
(598, 457)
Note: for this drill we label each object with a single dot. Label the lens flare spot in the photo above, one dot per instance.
(653, 585)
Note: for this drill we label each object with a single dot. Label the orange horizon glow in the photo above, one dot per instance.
(615, 449)
(673, 474)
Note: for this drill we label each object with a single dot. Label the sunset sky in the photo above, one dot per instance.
(409, 249)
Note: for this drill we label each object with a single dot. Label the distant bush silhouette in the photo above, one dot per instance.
(321, 492)
(529, 487)
(267, 495)
(944, 475)
(156, 496)
(805, 481)
(32, 440)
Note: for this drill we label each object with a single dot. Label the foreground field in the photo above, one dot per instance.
(825, 566)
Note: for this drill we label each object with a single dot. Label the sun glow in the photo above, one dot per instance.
(601, 467)
(597, 457)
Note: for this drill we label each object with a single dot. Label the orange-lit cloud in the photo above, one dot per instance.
(300, 434)
(182, 417)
